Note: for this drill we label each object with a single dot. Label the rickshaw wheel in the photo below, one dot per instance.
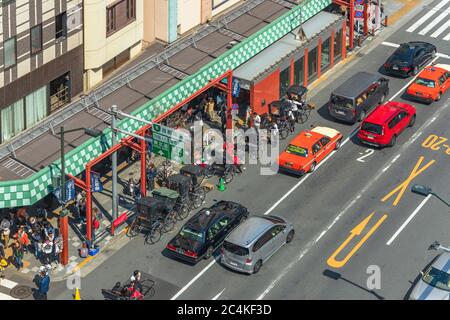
(134, 229)
(170, 221)
(154, 235)
(197, 201)
(183, 212)
(303, 117)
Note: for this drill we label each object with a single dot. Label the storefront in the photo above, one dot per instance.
(300, 57)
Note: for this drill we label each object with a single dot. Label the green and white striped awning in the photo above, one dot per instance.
(28, 191)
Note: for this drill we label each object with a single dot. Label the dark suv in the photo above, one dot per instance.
(206, 231)
(356, 97)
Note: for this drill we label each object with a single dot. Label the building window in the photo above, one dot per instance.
(36, 106)
(218, 3)
(36, 39)
(119, 15)
(325, 54)
(285, 81)
(312, 62)
(299, 71)
(61, 26)
(9, 48)
(13, 120)
(338, 43)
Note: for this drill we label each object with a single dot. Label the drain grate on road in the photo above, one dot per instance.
(21, 292)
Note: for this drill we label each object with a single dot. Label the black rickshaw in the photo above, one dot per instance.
(154, 215)
(187, 198)
(197, 175)
(122, 292)
(297, 94)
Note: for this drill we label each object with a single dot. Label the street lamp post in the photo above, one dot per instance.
(426, 191)
(64, 219)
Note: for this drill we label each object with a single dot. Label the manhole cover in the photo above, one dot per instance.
(21, 292)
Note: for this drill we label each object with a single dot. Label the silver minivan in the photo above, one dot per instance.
(253, 242)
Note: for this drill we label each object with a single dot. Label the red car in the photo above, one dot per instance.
(430, 84)
(383, 125)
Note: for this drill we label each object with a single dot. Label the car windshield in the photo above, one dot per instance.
(371, 127)
(298, 151)
(235, 249)
(341, 102)
(425, 82)
(192, 234)
(403, 53)
(437, 278)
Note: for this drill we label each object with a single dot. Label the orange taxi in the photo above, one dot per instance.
(430, 84)
(308, 149)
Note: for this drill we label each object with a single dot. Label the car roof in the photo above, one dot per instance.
(383, 113)
(432, 73)
(443, 262)
(202, 221)
(306, 139)
(250, 230)
(354, 86)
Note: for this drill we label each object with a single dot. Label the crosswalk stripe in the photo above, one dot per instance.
(447, 37)
(7, 283)
(6, 297)
(427, 16)
(433, 23)
(441, 29)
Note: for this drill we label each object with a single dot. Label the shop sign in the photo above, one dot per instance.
(168, 142)
(70, 192)
(96, 183)
(236, 88)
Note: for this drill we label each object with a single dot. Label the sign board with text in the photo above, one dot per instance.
(168, 142)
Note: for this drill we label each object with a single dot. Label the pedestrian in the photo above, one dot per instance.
(210, 109)
(47, 249)
(84, 251)
(5, 226)
(58, 247)
(95, 227)
(130, 188)
(256, 122)
(44, 284)
(291, 118)
(2, 250)
(17, 255)
(22, 238)
(151, 175)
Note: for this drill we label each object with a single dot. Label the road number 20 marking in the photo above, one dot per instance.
(368, 153)
(434, 142)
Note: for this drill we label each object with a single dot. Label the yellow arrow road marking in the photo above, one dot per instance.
(401, 188)
(356, 231)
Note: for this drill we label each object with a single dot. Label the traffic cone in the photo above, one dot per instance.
(77, 294)
(221, 186)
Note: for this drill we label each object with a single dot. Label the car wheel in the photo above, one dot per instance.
(393, 141)
(290, 236)
(438, 97)
(257, 267)
(312, 167)
(208, 253)
(362, 115)
(415, 70)
(338, 144)
(412, 121)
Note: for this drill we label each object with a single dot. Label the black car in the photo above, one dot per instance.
(409, 58)
(205, 231)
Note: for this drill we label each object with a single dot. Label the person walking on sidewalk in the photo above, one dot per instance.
(17, 255)
(44, 284)
(5, 226)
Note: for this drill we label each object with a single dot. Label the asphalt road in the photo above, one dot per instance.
(324, 207)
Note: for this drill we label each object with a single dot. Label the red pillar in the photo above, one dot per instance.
(88, 204)
(332, 49)
(319, 57)
(305, 69)
(229, 100)
(64, 231)
(344, 40)
(352, 22)
(143, 152)
(366, 18)
(292, 72)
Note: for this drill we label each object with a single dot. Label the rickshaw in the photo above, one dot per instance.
(153, 216)
(120, 292)
(173, 200)
(187, 199)
(197, 175)
(297, 94)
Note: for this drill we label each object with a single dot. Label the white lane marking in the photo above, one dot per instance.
(395, 45)
(6, 297)
(311, 244)
(193, 280)
(308, 175)
(431, 25)
(427, 15)
(447, 37)
(408, 220)
(411, 81)
(8, 283)
(441, 29)
(218, 295)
